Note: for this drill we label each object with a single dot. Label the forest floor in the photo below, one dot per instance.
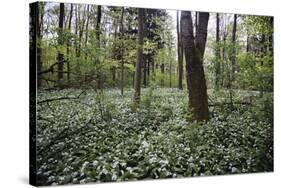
(84, 137)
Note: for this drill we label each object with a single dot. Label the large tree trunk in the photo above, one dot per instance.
(137, 84)
(180, 54)
(194, 53)
(60, 57)
(217, 52)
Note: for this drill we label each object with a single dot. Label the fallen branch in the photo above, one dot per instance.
(229, 103)
(60, 98)
(50, 69)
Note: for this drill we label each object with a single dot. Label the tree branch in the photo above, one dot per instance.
(60, 98)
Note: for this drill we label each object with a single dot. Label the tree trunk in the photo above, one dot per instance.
(217, 52)
(144, 70)
(233, 59)
(145, 56)
(98, 31)
(262, 53)
(60, 57)
(270, 38)
(137, 84)
(38, 22)
(122, 52)
(113, 68)
(86, 31)
(180, 54)
(68, 44)
(194, 53)
(162, 67)
(77, 49)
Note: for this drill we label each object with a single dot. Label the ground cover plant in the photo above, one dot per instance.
(102, 137)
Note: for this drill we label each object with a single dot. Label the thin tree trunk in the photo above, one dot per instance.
(122, 52)
(98, 31)
(60, 57)
(38, 41)
(114, 55)
(270, 38)
(262, 53)
(86, 31)
(234, 43)
(137, 85)
(77, 50)
(145, 56)
(144, 70)
(170, 70)
(162, 67)
(233, 61)
(180, 54)
(217, 51)
(196, 22)
(68, 44)
(194, 53)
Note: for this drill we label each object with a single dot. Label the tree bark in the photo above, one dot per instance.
(233, 59)
(194, 53)
(162, 67)
(122, 52)
(60, 57)
(180, 54)
(68, 44)
(270, 38)
(145, 56)
(86, 31)
(144, 70)
(77, 47)
(38, 33)
(217, 52)
(137, 84)
(98, 31)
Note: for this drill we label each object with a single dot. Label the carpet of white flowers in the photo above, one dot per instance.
(102, 137)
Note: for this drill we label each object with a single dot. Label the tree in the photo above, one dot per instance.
(194, 53)
(137, 84)
(60, 57)
(180, 54)
(98, 32)
(233, 61)
(233, 55)
(217, 53)
(69, 43)
(122, 51)
(38, 32)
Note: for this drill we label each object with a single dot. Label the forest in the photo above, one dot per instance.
(131, 93)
